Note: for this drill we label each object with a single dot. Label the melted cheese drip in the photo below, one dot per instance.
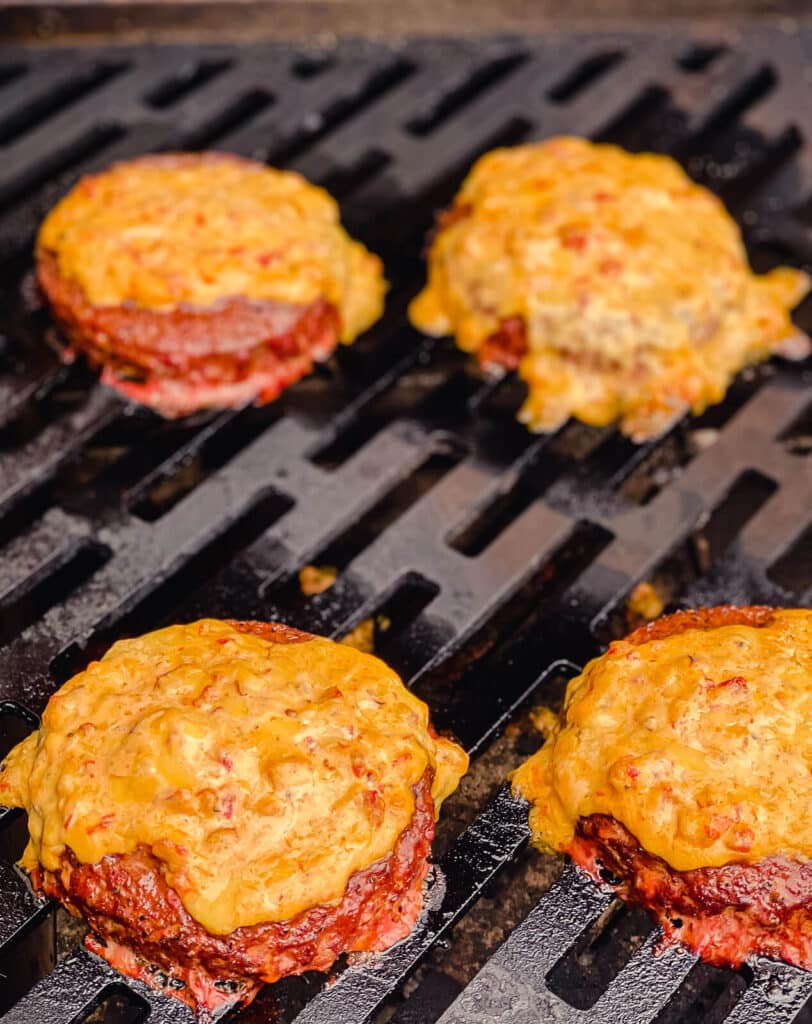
(699, 743)
(632, 283)
(261, 775)
(159, 236)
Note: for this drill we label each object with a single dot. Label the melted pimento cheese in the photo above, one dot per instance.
(261, 775)
(630, 283)
(700, 743)
(184, 230)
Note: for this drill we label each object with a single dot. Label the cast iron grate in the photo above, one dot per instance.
(498, 560)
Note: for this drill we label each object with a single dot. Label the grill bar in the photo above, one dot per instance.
(494, 554)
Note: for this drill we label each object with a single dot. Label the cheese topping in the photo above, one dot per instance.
(699, 743)
(260, 774)
(183, 230)
(631, 281)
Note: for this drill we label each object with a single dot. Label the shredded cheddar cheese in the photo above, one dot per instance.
(631, 282)
(699, 743)
(260, 774)
(184, 230)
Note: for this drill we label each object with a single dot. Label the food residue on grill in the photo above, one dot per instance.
(204, 280)
(680, 771)
(644, 603)
(315, 579)
(179, 792)
(544, 720)
(618, 287)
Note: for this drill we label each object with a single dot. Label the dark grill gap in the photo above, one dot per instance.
(8, 72)
(231, 118)
(24, 119)
(481, 80)
(91, 142)
(339, 111)
(186, 80)
(583, 75)
(582, 975)
(491, 554)
(698, 58)
(793, 570)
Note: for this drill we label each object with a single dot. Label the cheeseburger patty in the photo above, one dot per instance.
(201, 280)
(619, 289)
(228, 803)
(669, 776)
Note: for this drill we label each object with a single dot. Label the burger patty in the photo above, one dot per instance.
(140, 926)
(187, 359)
(507, 346)
(668, 776)
(202, 280)
(551, 260)
(702, 618)
(723, 914)
(720, 913)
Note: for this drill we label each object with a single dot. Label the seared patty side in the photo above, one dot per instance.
(186, 359)
(723, 914)
(139, 925)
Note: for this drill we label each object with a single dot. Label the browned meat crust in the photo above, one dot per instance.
(505, 347)
(140, 926)
(187, 359)
(723, 914)
(276, 632)
(702, 618)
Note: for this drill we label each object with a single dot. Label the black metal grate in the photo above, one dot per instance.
(492, 554)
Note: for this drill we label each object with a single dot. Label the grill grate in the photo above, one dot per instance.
(494, 555)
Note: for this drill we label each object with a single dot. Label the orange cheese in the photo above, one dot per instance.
(631, 281)
(183, 230)
(699, 743)
(261, 775)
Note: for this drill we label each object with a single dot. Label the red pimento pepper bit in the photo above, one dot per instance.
(101, 824)
(360, 770)
(741, 839)
(226, 805)
(572, 238)
(738, 682)
(266, 258)
(372, 798)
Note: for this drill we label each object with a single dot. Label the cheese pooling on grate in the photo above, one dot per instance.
(261, 775)
(629, 283)
(700, 743)
(188, 231)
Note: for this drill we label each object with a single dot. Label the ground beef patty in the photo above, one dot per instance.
(618, 288)
(140, 926)
(204, 280)
(230, 802)
(724, 914)
(668, 776)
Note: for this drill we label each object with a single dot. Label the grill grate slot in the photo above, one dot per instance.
(16, 123)
(184, 81)
(492, 561)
